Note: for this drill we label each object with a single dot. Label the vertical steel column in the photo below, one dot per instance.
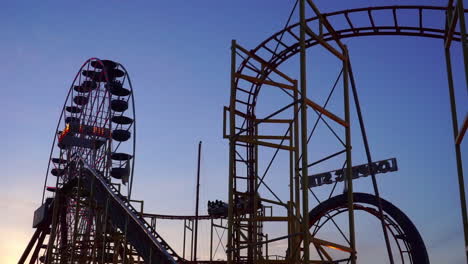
(106, 209)
(98, 233)
(349, 166)
(77, 208)
(369, 159)
(461, 17)
(252, 187)
(232, 108)
(185, 232)
(125, 241)
(197, 202)
(191, 241)
(211, 241)
(291, 218)
(461, 184)
(258, 227)
(305, 180)
(297, 198)
(53, 231)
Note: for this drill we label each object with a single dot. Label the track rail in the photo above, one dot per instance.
(260, 66)
(287, 40)
(181, 217)
(141, 235)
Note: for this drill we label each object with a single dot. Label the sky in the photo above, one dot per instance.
(178, 56)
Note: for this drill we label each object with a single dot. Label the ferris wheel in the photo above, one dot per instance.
(96, 129)
(96, 124)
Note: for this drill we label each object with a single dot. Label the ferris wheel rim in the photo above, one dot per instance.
(97, 63)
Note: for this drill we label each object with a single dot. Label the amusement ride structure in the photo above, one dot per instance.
(87, 214)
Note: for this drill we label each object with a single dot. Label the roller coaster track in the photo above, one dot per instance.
(120, 212)
(181, 217)
(260, 65)
(138, 232)
(141, 235)
(285, 43)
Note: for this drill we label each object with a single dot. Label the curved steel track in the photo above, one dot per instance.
(260, 66)
(125, 217)
(346, 30)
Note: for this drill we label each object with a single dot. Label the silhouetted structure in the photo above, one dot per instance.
(88, 214)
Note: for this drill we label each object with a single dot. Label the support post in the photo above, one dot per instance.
(297, 184)
(191, 240)
(31, 244)
(462, 25)
(185, 232)
(211, 242)
(53, 232)
(369, 160)
(305, 190)
(38, 247)
(104, 221)
(232, 110)
(461, 183)
(291, 210)
(197, 203)
(349, 166)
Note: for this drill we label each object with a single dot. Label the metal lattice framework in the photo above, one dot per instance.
(260, 67)
(88, 216)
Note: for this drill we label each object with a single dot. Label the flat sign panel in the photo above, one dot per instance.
(359, 171)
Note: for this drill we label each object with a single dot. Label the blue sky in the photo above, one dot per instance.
(178, 57)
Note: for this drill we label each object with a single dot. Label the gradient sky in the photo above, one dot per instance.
(178, 56)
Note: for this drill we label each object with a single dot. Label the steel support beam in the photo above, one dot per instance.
(349, 164)
(461, 17)
(232, 154)
(197, 202)
(30, 245)
(458, 157)
(295, 257)
(452, 16)
(303, 109)
(369, 160)
(463, 129)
